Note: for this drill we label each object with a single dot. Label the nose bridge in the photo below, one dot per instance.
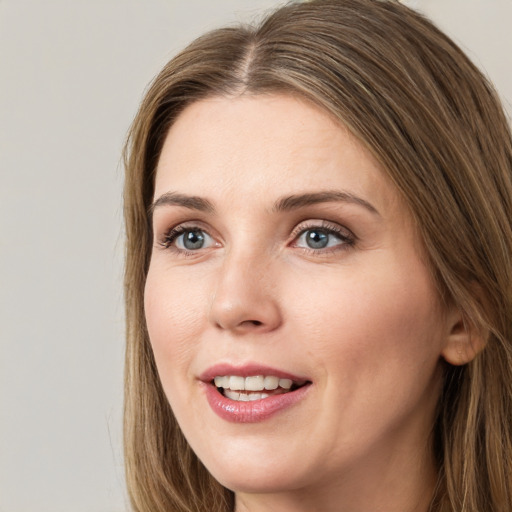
(245, 297)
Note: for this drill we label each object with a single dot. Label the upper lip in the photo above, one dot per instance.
(247, 370)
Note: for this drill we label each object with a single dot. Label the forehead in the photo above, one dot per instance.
(264, 146)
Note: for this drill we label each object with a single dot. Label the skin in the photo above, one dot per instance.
(361, 318)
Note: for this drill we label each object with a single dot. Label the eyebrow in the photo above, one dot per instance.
(295, 202)
(175, 199)
(288, 203)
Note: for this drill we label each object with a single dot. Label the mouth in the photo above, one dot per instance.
(252, 393)
(254, 387)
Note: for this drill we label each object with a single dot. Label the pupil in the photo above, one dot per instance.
(317, 239)
(193, 240)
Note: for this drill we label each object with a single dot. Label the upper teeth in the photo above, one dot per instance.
(253, 383)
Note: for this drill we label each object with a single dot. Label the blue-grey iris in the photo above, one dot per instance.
(317, 239)
(193, 240)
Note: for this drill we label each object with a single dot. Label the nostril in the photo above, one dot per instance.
(255, 323)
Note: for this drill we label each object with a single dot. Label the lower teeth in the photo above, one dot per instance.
(244, 397)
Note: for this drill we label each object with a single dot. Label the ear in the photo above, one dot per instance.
(464, 341)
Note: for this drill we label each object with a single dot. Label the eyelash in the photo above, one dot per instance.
(170, 237)
(346, 237)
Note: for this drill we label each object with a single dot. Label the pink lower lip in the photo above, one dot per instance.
(251, 412)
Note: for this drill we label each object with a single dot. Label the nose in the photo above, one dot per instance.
(245, 298)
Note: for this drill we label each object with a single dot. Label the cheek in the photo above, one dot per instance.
(174, 318)
(374, 340)
(372, 324)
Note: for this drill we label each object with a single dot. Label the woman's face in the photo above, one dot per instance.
(283, 253)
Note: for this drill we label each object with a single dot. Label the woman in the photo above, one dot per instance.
(318, 276)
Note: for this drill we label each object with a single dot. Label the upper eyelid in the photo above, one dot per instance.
(327, 225)
(183, 225)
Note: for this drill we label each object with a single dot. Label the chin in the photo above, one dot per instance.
(261, 469)
(262, 480)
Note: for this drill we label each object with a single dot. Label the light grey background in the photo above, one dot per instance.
(71, 75)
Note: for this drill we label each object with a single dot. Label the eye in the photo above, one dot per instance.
(317, 239)
(188, 239)
(320, 237)
(192, 239)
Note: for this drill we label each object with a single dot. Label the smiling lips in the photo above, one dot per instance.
(248, 395)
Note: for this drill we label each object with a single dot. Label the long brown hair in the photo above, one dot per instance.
(435, 124)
